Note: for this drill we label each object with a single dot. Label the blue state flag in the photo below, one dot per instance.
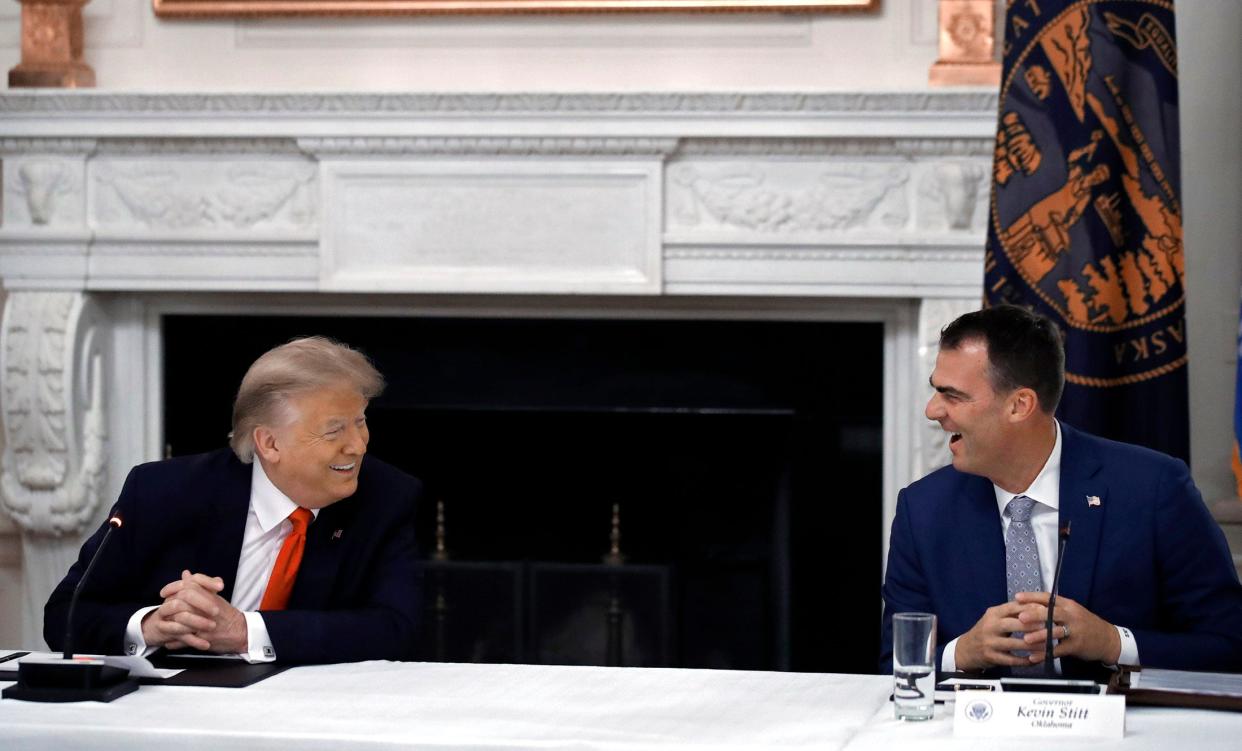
(1086, 218)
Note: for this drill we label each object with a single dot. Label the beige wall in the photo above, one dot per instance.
(130, 49)
(1210, 57)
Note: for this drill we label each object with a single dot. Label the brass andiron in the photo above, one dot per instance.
(967, 45)
(615, 557)
(52, 46)
(440, 609)
(441, 551)
(616, 614)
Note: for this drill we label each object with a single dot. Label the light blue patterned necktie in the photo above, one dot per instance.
(1022, 563)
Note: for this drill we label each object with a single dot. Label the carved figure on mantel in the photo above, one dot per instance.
(844, 197)
(42, 191)
(951, 196)
(53, 468)
(42, 183)
(191, 195)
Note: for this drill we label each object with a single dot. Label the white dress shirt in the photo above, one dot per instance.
(267, 526)
(1045, 490)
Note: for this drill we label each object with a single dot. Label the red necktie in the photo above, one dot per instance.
(285, 572)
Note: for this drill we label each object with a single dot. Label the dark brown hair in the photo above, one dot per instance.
(1025, 350)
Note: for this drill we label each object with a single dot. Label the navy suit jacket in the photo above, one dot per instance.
(357, 593)
(1149, 557)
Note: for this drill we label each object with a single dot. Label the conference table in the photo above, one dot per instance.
(386, 705)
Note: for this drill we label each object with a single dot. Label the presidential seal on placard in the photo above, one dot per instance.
(1086, 224)
(979, 710)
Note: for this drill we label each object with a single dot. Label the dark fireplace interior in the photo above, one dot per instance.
(738, 463)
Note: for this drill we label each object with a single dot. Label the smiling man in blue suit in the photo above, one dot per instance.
(285, 546)
(1147, 576)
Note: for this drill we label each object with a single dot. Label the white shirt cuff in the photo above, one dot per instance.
(1129, 647)
(135, 645)
(948, 660)
(259, 643)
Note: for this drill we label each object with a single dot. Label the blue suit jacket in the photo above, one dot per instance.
(357, 593)
(1149, 557)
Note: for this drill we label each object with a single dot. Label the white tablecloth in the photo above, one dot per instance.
(379, 705)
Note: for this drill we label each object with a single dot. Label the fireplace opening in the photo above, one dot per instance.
(736, 465)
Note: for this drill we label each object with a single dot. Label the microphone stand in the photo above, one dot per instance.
(114, 523)
(1051, 682)
(1062, 538)
(70, 678)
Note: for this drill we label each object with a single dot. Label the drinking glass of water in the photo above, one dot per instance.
(914, 669)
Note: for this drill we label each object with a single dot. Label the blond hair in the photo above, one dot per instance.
(302, 365)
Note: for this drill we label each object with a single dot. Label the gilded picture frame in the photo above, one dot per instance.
(311, 8)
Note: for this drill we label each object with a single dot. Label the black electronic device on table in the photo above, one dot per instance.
(1051, 685)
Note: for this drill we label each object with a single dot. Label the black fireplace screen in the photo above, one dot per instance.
(696, 493)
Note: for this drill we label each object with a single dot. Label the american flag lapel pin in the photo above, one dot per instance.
(1093, 500)
(337, 534)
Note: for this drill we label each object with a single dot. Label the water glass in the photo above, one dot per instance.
(914, 668)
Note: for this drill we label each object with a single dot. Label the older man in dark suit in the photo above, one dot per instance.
(286, 547)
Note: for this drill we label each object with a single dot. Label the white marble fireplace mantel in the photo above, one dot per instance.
(118, 208)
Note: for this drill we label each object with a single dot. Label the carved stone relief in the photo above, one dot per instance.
(636, 103)
(953, 196)
(223, 148)
(187, 195)
(43, 191)
(53, 463)
(779, 253)
(46, 146)
(53, 468)
(931, 445)
(791, 198)
(843, 146)
(489, 146)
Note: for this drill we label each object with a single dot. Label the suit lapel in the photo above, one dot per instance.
(221, 541)
(1084, 498)
(325, 541)
(983, 541)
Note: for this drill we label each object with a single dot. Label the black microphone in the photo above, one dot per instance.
(114, 523)
(70, 678)
(1062, 538)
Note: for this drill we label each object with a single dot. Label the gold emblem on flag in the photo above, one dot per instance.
(1132, 277)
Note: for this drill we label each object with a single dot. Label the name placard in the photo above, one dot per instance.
(995, 714)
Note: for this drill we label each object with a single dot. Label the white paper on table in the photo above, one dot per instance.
(1188, 682)
(138, 667)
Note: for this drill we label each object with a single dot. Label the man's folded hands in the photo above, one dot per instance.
(194, 615)
(994, 640)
